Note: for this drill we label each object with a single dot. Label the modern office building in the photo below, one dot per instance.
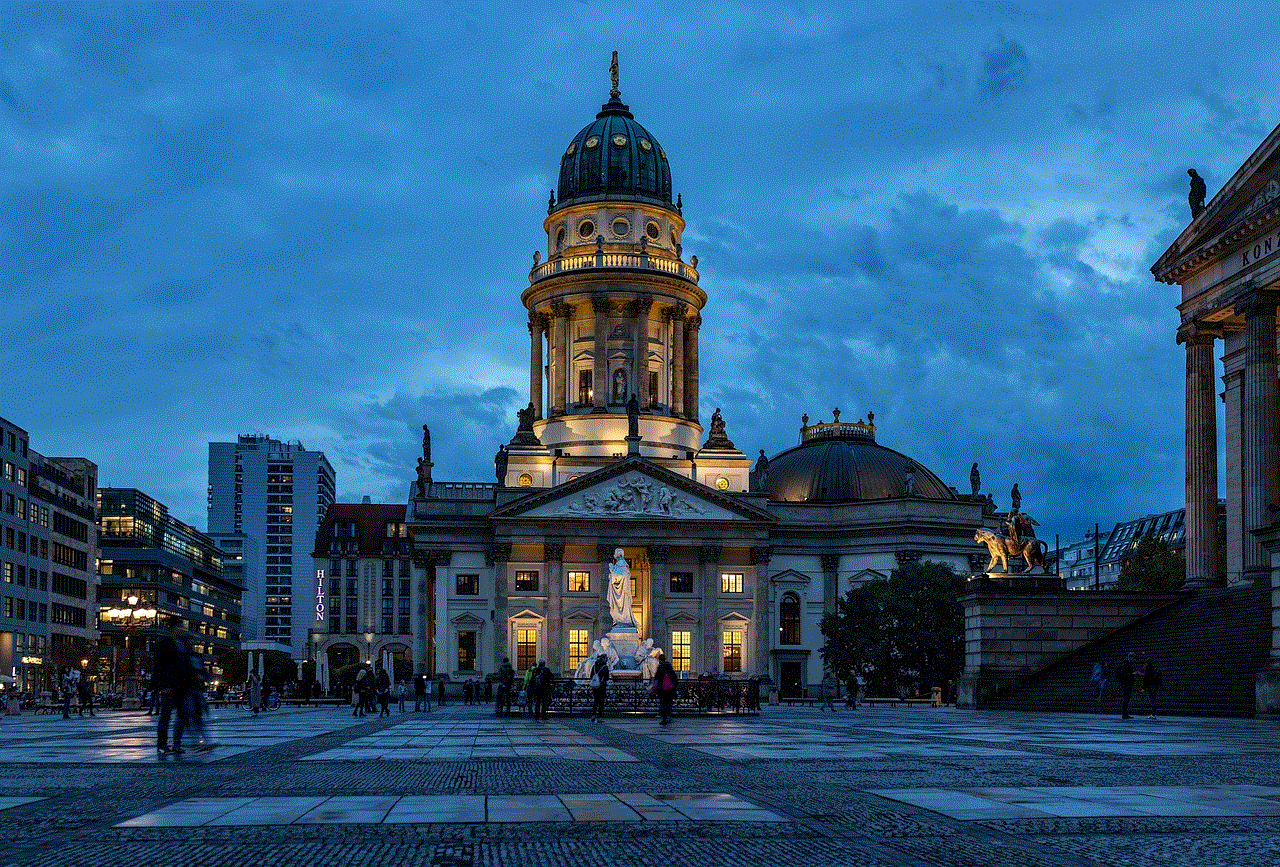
(24, 558)
(67, 488)
(277, 493)
(167, 566)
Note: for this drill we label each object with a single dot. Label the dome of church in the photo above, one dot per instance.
(841, 462)
(614, 158)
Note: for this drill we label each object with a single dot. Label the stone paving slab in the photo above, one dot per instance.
(1081, 801)
(347, 809)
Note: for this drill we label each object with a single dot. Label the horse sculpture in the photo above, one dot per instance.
(1001, 548)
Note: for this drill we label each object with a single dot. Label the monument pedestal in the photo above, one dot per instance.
(626, 642)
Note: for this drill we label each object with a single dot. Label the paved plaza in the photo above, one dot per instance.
(457, 786)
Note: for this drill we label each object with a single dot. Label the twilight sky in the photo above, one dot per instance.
(315, 222)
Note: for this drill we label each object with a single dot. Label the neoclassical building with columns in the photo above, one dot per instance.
(1227, 263)
(732, 565)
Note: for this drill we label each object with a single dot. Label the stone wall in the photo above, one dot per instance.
(1011, 634)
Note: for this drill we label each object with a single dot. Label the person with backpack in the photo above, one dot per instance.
(526, 691)
(542, 683)
(506, 681)
(599, 683)
(666, 680)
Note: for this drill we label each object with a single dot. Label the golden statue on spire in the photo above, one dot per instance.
(613, 74)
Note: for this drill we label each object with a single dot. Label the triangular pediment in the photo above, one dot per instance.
(866, 575)
(526, 614)
(791, 577)
(1250, 197)
(682, 618)
(466, 618)
(633, 488)
(580, 615)
(733, 618)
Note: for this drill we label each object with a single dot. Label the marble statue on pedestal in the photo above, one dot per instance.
(620, 592)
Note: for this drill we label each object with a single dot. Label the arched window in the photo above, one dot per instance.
(789, 619)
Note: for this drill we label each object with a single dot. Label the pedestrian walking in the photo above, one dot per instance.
(599, 684)
(1124, 675)
(171, 679)
(419, 691)
(255, 693)
(526, 691)
(68, 685)
(1152, 678)
(426, 695)
(506, 683)
(400, 693)
(368, 693)
(828, 688)
(1099, 678)
(85, 689)
(383, 684)
(666, 682)
(468, 690)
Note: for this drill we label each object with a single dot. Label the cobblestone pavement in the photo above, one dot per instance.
(459, 788)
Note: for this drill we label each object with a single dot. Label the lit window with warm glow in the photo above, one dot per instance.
(577, 647)
(680, 644)
(579, 581)
(731, 582)
(732, 651)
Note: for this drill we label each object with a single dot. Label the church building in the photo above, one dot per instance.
(731, 566)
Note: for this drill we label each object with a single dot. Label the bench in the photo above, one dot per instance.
(793, 701)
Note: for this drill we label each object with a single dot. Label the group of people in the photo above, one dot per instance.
(75, 686)
(371, 692)
(179, 683)
(1128, 674)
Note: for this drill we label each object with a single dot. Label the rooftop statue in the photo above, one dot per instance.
(1015, 497)
(424, 476)
(500, 461)
(1195, 197)
(426, 443)
(975, 479)
(633, 417)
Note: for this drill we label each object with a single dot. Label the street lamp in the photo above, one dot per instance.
(131, 620)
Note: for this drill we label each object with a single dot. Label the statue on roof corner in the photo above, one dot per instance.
(633, 416)
(1195, 198)
(975, 479)
(426, 443)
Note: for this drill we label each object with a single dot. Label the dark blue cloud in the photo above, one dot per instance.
(316, 221)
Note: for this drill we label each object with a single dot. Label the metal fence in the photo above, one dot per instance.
(692, 697)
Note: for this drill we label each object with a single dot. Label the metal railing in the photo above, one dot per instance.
(600, 259)
(692, 697)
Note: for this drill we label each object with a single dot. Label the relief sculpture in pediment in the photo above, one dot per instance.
(636, 497)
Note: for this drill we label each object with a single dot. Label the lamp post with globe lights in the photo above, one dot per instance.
(131, 620)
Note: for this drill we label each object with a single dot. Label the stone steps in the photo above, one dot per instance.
(1209, 648)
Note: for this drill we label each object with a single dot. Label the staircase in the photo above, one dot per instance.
(1209, 647)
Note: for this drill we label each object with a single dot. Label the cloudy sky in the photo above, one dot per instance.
(315, 222)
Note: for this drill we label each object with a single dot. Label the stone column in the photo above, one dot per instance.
(1260, 452)
(604, 556)
(659, 581)
(1202, 456)
(675, 315)
(709, 585)
(423, 621)
(830, 581)
(561, 350)
(765, 638)
(600, 355)
(553, 566)
(640, 363)
(537, 323)
(691, 368)
(1267, 681)
(497, 556)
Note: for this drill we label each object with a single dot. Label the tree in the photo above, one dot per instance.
(906, 629)
(1153, 566)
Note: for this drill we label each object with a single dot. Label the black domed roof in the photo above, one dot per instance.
(841, 462)
(614, 158)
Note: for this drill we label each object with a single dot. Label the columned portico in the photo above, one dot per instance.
(675, 315)
(560, 350)
(709, 584)
(599, 357)
(1202, 456)
(1260, 451)
(497, 556)
(691, 367)
(659, 580)
(553, 565)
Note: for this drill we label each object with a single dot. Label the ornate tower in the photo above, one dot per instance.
(613, 312)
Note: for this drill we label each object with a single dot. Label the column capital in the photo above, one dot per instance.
(604, 553)
(761, 555)
(659, 553)
(537, 320)
(1199, 332)
(709, 554)
(674, 312)
(694, 322)
(1254, 301)
(561, 310)
(830, 561)
(600, 303)
(553, 551)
